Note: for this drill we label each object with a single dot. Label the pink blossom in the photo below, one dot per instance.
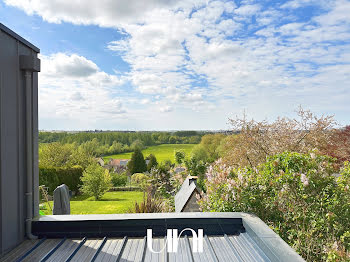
(304, 179)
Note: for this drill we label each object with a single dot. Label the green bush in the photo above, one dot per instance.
(297, 195)
(96, 181)
(139, 178)
(53, 177)
(119, 180)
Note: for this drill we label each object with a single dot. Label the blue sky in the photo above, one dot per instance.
(190, 64)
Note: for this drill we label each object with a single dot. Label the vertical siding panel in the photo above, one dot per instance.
(12, 141)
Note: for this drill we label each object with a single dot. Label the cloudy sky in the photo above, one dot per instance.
(191, 64)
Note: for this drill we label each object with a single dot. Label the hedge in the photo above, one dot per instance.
(119, 180)
(53, 177)
(133, 188)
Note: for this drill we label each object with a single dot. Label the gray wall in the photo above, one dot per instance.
(192, 205)
(13, 139)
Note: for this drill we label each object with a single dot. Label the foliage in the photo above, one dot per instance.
(296, 194)
(55, 155)
(118, 202)
(149, 204)
(177, 180)
(59, 155)
(137, 144)
(52, 177)
(152, 162)
(104, 143)
(96, 181)
(81, 158)
(339, 145)
(137, 164)
(179, 156)
(185, 133)
(200, 153)
(119, 180)
(258, 140)
(161, 152)
(197, 168)
(141, 180)
(160, 181)
(210, 144)
(90, 147)
(166, 165)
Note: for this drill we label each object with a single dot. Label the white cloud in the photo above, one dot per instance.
(107, 13)
(338, 14)
(73, 88)
(293, 4)
(247, 10)
(69, 66)
(165, 109)
(207, 56)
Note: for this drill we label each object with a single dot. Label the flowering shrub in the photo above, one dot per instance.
(257, 140)
(297, 195)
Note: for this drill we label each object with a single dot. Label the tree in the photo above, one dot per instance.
(141, 180)
(96, 181)
(137, 144)
(160, 181)
(115, 148)
(172, 139)
(200, 153)
(180, 157)
(90, 147)
(197, 168)
(55, 154)
(152, 162)
(137, 163)
(258, 140)
(81, 158)
(210, 144)
(339, 146)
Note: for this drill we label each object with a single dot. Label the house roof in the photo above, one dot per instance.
(118, 162)
(185, 193)
(227, 237)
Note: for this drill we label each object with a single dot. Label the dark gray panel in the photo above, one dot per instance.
(9, 145)
(12, 140)
(35, 146)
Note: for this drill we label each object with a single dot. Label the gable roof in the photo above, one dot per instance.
(185, 193)
(118, 162)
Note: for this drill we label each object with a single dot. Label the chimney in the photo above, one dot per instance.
(192, 179)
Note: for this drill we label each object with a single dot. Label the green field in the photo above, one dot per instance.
(111, 203)
(162, 152)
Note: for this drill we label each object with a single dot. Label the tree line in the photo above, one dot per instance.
(107, 143)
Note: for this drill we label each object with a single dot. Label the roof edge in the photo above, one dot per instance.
(275, 248)
(18, 38)
(271, 243)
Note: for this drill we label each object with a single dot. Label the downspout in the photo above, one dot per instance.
(29, 153)
(29, 64)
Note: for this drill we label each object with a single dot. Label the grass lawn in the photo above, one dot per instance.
(111, 203)
(162, 152)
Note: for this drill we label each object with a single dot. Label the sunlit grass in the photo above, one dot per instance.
(162, 152)
(110, 203)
